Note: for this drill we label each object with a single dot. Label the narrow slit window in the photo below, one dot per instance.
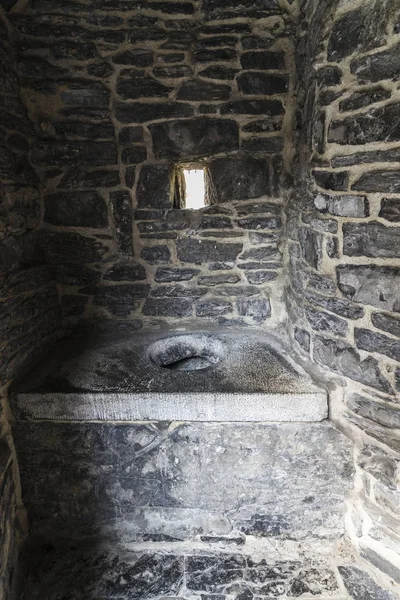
(195, 187)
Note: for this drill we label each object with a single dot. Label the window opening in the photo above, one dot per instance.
(195, 188)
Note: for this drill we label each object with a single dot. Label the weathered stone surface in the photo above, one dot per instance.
(92, 154)
(322, 321)
(343, 359)
(260, 277)
(140, 112)
(386, 323)
(77, 129)
(390, 209)
(139, 57)
(194, 138)
(154, 187)
(376, 342)
(141, 87)
(361, 586)
(342, 206)
(74, 51)
(371, 284)
(219, 72)
(364, 98)
(264, 145)
(332, 180)
(121, 203)
(156, 254)
(217, 55)
(263, 126)
(86, 93)
(358, 30)
(131, 135)
(172, 72)
(133, 155)
(81, 179)
(270, 108)
(259, 222)
(257, 308)
(239, 178)
(262, 84)
(198, 90)
(329, 76)
(379, 181)
(76, 209)
(370, 239)
(377, 125)
(125, 272)
(199, 251)
(263, 60)
(383, 414)
(120, 300)
(212, 280)
(70, 248)
(311, 246)
(103, 70)
(174, 274)
(168, 307)
(379, 66)
(303, 338)
(213, 308)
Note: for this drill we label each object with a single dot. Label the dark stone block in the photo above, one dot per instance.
(366, 157)
(313, 581)
(139, 57)
(359, 30)
(131, 135)
(322, 321)
(198, 91)
(219, 72)
(260, 254)
(175, 274)
(256, 42)
(120, 300)
(380, 561)
(178, 291)
(185, 8)
(390, 209)
(376, 125)
(77, 129)
(194, 138)
(374, 461)
(342, 206)
(213, 308)
(91, 154)
(379, 181)
(172, 72)
(332, 180)
(361, 586)
(263, 108)
(133, 155)
(212, 280)
(338, 306)
(156, 254)
(140, 112)
(263, 126)
(260, 277)
(329, 76)
(125, 272)
(239, 178)
(141, 87)
(264, 61)
(262, 84)
(311, 246)
(70, 50)
(303, 338)
(259, 223)
(216, 42)
(86, 93)
(69, 248)
(147, 34)
(154, 187)
(364, 98)
(79, 179)
(386, 323)
(371, 284)
(268, 145)
(168, 307)
(121, 203)
(379, 66)
(343, 359)
(257, 308)
(210, 222)
(377, 342)
(371, 239)
(76, 209)
(223, 29)
(38, 68)
(76, 275)
(196, 251)
(172, 57)
(102, 70)
(217, 55)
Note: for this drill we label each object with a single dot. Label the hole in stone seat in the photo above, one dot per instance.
(186, 352)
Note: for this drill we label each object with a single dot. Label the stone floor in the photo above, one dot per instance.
(76, 573)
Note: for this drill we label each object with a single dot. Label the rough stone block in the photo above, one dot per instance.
(140, 112)
(199, 91)
(329, 76)
(138, 57)
(386, 323)
(90, 154)
(361, 586)
(141, 87)
(379, 66)
(156, 254)
(262, 84)
(168, 307)
(194, 138)
(376, 342)
(219, 72)
(70, 248)
(76, 209)
(125, 272)
(121, 300)
(257, 308)
(154, 187)
(332, 180)
(371, 284)
(175, 274)
(364, 98)
(390, 209)
(213, 308)
(239, 178)
(371, 239)
(322, 321)
(379, 181)
(263, 60)
(373, 460)
(270, 108)
(342, 206)
(121, 203)
(80, 179)
(376, 125)
(197, 251)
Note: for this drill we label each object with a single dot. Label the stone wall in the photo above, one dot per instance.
(122, 93)
(29, 300)
(344, 240)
